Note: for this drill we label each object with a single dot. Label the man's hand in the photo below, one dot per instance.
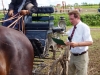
(73, 44)
(10, 13)
(24, 12)
(61, 46)
(58, 46)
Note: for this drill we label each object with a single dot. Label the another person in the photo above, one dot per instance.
(80, 38)
(14, 7)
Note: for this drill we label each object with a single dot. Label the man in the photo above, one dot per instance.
(16, 6)
(79, 40)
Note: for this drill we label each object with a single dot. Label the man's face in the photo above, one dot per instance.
(73, 20)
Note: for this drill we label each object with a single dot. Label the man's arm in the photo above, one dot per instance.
(34, 9)
(11, 5)
(34, 2)
(79, 44)
(11, 8)
(86, 37)
(31, 5)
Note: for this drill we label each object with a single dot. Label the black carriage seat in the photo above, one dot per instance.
(41, 23)
(37, 28)
(45, 10)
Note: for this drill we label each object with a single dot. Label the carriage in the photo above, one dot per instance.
(40, 29)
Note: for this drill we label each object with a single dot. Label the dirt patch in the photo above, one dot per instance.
(94, 53)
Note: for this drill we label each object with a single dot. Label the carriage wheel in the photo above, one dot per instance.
(60, 65)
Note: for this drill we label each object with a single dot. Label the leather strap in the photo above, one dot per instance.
(21, 6)
(77, 54)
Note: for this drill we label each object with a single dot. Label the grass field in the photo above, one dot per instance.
(94, 53)
(89, 7)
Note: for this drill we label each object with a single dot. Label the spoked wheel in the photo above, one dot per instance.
(47, 46)
(60, 65)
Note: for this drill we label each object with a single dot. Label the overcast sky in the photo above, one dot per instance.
(52, 2)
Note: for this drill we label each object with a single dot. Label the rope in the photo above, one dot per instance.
(13, 17)
(14, 21)
(18, 18)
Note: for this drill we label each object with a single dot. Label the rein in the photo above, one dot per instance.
(19, 19)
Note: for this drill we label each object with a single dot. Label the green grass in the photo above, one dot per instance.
(94, 52)
(90, 7)
(1, 16)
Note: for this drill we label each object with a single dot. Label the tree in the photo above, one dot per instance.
(76, 4)
(84, 3)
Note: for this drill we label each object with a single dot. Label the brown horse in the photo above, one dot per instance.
(16, 53)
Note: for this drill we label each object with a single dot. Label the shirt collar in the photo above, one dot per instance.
(78, 23)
